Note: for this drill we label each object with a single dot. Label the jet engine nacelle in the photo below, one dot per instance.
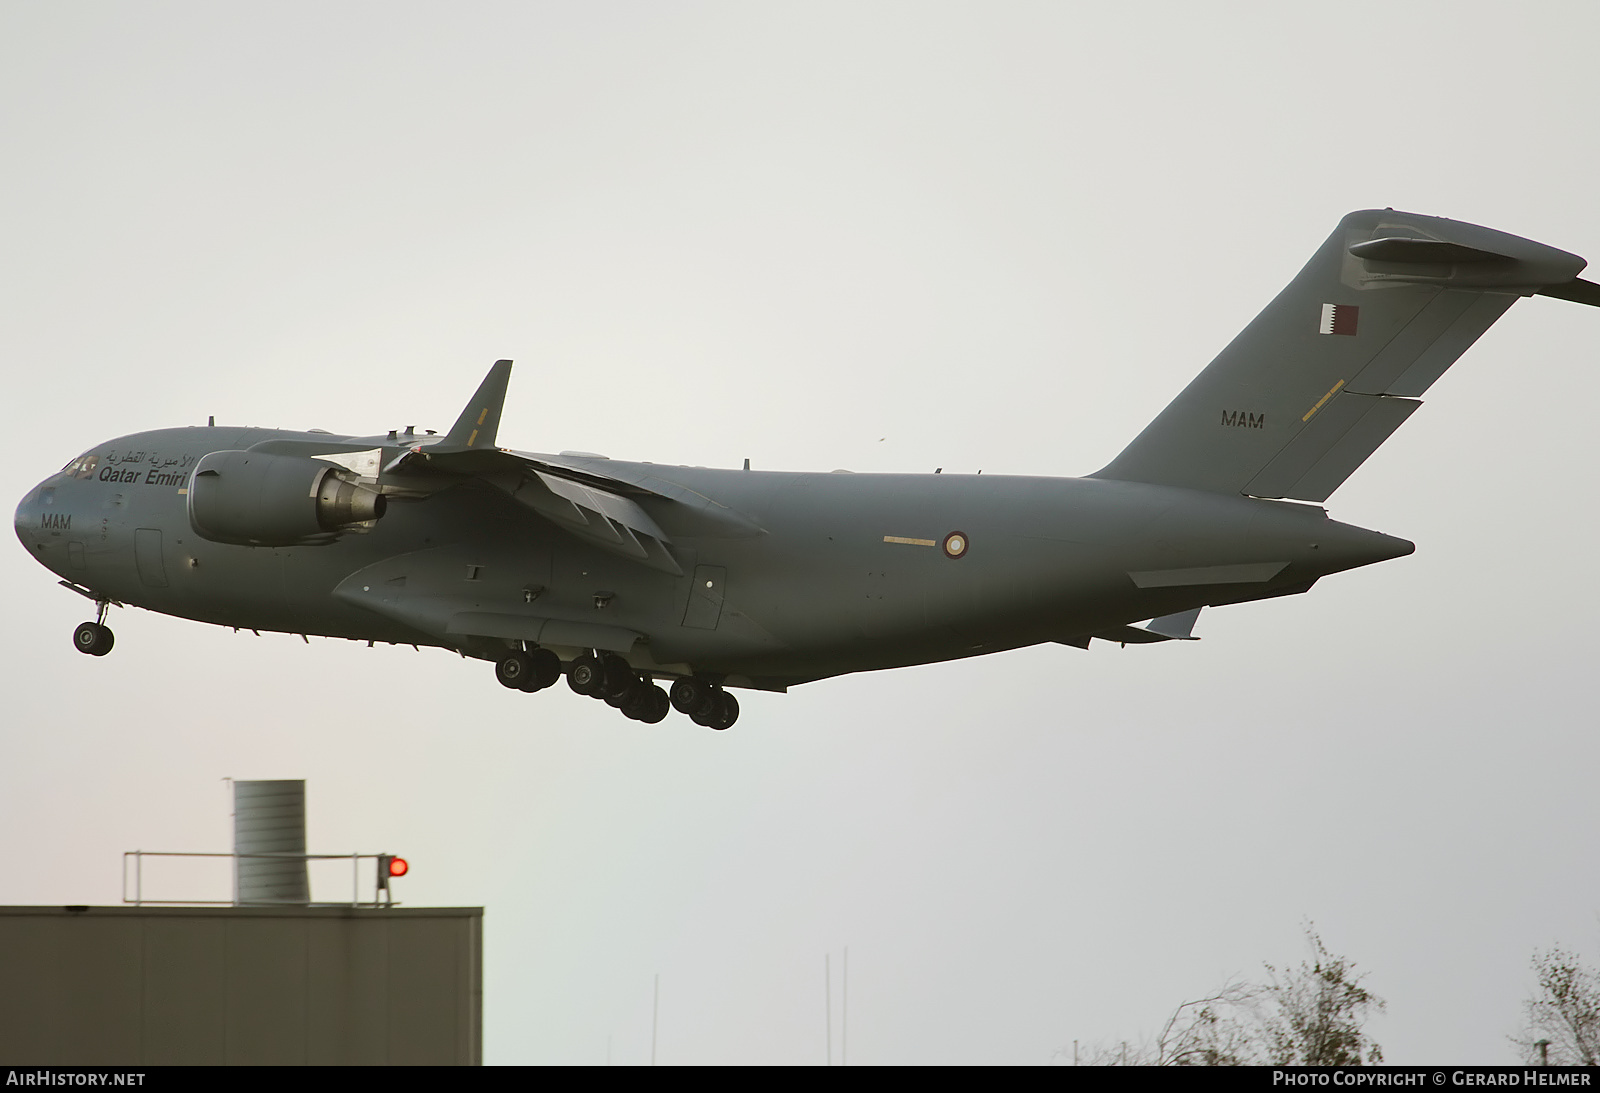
(257, 499)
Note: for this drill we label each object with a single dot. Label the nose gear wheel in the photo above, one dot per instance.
(93, 638)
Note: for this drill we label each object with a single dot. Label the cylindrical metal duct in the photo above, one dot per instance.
(269, 819)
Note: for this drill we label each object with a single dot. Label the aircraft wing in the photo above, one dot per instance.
(597, 508)
(618, 507)
(606, 503)
(598, 511)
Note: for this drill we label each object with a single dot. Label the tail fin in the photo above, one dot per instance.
(480, 420)
(1332, 367)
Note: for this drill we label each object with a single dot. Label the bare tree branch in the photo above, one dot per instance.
(1319, 1010)
(1308, 1016)
(1565, 1014)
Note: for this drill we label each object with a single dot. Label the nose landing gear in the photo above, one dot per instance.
(94, 638)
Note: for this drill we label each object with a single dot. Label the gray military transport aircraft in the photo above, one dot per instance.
(620, 574)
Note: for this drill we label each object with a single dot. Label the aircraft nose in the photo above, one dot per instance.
(26, 519)
(31, 516)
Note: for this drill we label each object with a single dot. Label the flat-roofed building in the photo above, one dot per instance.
(251, 985)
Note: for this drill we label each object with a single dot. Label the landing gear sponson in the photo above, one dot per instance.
(608, 677)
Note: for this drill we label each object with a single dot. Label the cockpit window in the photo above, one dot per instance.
(82, 467)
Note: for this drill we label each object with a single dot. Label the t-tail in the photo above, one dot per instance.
(1332, 367)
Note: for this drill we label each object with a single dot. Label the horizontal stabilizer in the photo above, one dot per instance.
(1577, 290)
(1404, 248)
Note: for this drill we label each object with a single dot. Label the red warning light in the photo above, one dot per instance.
(389, 866)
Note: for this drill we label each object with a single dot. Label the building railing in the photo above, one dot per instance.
(138, 898)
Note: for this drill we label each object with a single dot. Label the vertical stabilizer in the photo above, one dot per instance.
(1336, 363)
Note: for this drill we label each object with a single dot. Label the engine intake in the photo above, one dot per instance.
(257, 499)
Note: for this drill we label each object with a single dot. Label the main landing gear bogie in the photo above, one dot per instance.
(611, 679)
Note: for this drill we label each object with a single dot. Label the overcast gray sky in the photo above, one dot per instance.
(882, 236)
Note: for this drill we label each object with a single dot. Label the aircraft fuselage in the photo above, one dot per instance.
(825, 573)
(617, 574)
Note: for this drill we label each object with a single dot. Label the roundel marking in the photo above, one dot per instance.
(955, 544)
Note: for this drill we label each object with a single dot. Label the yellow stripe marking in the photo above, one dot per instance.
(483, 415)
(1331, 392)
(184, 491)
(908, 542)
(471, 438)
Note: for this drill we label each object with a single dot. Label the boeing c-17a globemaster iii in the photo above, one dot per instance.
(620, 575)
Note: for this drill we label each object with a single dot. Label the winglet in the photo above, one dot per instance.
(480, 421)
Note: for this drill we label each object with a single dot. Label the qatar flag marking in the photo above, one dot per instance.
(1338, 319)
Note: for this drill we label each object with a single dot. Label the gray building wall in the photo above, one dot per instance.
(279, 985)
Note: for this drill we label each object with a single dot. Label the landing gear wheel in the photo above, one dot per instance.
(94, 639)
(690, 694)
(706, 713)
(620, 679)
(514, 670)
(726, 713)
(639, 702)
(720, 713)
(586, 676)
(620, 700)
(656, 706)
(546, 668)
(708, 708)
